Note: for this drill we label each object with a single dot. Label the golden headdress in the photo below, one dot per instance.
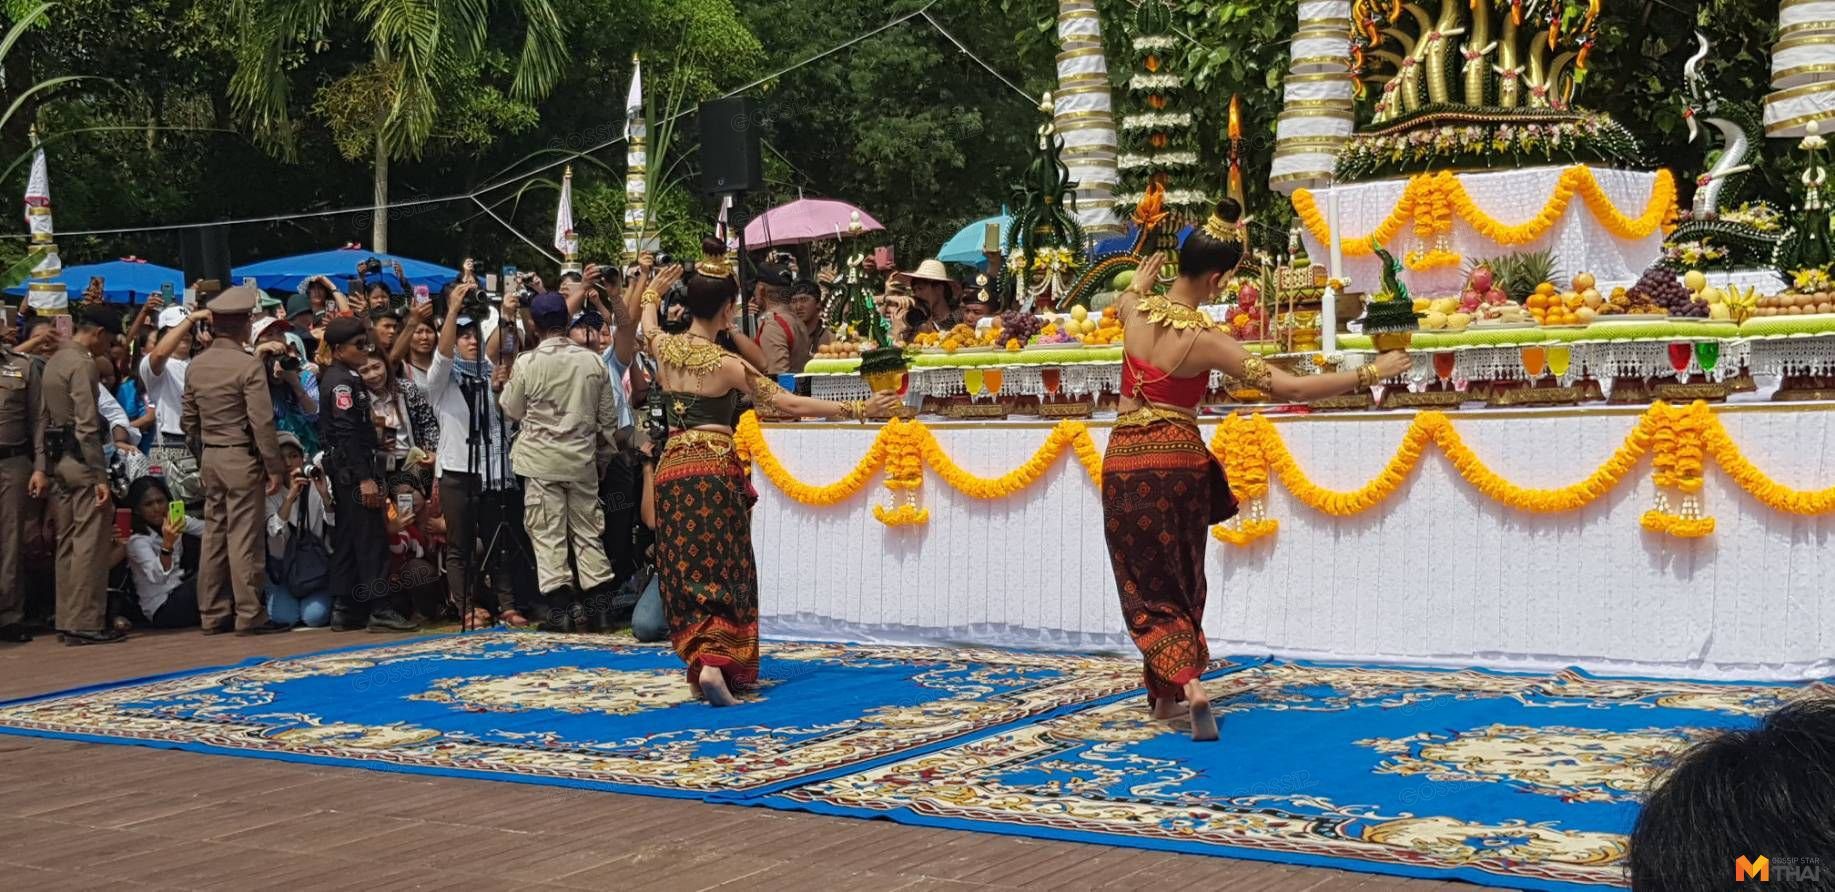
(1223, 230)
(714, 265)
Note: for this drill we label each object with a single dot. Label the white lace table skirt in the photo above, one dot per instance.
(1439, 574)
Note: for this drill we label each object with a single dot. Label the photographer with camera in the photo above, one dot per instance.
(292, 385)
(478, 496)
(299, 564)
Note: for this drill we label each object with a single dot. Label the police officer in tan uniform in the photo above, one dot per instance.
(18, 411)
(70, 466)
(229, 419)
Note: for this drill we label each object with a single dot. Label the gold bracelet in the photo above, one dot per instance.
(1368, 377)
(650, 298)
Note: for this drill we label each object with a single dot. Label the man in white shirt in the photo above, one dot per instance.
(162, 373)
(477, 486)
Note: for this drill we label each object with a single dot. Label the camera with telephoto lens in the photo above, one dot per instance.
(370, 267)
(289, 362)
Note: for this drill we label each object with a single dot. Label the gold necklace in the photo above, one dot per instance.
(1161, 310)
(691, 353)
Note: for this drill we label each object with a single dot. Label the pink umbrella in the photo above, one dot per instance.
(806, 220)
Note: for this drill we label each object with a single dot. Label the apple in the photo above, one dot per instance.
(1482, 279)
(1584, 282)
(1586, 315)
(1591, 298)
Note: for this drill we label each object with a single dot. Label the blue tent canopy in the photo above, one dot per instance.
(125, 281)
(339, 264)
(1115, 244)
(965, 246)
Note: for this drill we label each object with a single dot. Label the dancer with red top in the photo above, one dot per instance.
(1161, 487)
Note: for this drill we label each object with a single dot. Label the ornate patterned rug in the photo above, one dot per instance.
(601, 712)
(1501, 780)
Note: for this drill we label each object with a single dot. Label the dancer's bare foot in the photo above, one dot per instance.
(1203, 721)
(713, 687)
(1164, 710)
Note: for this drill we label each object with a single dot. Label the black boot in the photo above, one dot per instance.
(565, 612)
(600, 615)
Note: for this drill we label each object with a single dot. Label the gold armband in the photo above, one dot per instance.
(1368, 377)
(650, 298)
(764, 393)
(1257, 374)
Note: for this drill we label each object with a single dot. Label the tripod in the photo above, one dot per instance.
(488, 491)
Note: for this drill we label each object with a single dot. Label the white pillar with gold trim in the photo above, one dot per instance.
(1318, 116)
(1802, 68)
(1085, 116)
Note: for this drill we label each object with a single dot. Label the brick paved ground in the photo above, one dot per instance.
(86, 816)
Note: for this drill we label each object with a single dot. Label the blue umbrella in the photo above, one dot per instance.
(125, 281)
(1117, 244)
(965, 246)
(339, 264)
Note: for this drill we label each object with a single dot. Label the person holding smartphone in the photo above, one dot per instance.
(160, 539)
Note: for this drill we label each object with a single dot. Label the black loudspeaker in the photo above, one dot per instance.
(729, 146)
(203, 253)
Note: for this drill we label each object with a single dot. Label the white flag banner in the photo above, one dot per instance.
(634, 101)
(565, 241)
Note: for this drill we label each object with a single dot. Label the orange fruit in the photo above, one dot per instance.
(1538, 301)
(1545, 288)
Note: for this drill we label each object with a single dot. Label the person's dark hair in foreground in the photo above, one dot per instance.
(1765, 792)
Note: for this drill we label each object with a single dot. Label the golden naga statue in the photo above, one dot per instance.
(1540, 53)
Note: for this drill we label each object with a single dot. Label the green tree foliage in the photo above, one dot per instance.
(901, 124)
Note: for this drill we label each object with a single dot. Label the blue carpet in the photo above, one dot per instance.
(598, 712)
(1497, 779)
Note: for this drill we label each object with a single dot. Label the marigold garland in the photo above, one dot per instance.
(750, 440)
(1432, 199)
(1679, 441)
(1757, 484)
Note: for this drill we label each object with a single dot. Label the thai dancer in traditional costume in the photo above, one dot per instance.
(1161, 487)
(703, 497)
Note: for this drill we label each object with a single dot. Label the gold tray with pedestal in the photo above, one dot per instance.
(1071, 409)
(1402, 398)
(1534, 396)
(1707, 391)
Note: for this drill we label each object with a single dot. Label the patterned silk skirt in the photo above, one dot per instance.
(705, 567)
(1155, 492)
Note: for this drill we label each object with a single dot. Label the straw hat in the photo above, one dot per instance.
(933, 270)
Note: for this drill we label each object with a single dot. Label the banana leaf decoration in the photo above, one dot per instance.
(1045, 222)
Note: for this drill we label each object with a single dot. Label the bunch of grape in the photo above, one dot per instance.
(1015, 324)
(1660, 288)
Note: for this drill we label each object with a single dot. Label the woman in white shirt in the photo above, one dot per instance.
(155, 557)
(299, 509)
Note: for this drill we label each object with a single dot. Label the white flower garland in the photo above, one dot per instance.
(1155, 82)
(1176, 198)
(1163, 159)
(1156, 121)
(1155, 42)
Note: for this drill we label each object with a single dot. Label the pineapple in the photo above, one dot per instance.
(1517, 275)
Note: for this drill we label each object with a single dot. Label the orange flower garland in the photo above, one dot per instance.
(1755, 482)
(750, 440)
(1679, 440)
(904, 475)
(1237, 444)
(1432, 199)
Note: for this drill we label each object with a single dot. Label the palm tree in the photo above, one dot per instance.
(416, 47)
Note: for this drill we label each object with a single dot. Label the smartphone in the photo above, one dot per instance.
(63, 325)
(353, 286)
(175, 512)
(404, 504)
(490, 283)
(124, 522)
(165, 292)
(248, 282)
(882, 258)
(509, 276)
(422, 294)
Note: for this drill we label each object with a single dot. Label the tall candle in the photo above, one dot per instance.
(1328, 311)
